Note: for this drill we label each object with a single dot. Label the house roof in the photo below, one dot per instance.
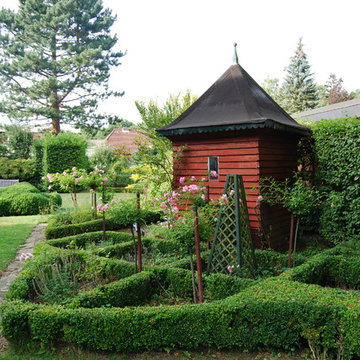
(334, 111)
(123, 137)
(235, 101)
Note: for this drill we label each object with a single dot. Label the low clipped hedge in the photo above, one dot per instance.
(336, 267)
(26, 199)
(273, 313)
(53, 231)
(283, 312)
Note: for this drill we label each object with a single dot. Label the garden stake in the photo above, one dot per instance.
(291, 239)
(198, 255)
(134, 242)
(208, 245)
(295, 240)
(103, 213)
(139, 244)
(192, 275)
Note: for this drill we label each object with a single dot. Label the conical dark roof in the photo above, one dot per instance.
(235, 101)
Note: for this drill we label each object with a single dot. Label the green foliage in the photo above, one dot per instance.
(22, 169)
(299, 87)
(19, 141)
(299, 197)
(102, 157)
(66, 74)
(337, 176)
(25, 199)
(63, 152)
(117, 219)
(155, 151)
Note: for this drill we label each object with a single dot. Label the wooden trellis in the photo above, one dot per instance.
(232, 245)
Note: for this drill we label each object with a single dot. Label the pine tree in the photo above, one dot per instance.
(55, 58)
(299, 86)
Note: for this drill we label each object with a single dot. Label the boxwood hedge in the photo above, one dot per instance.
(25, 199)
(284, 312)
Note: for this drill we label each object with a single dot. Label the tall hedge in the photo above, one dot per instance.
(337, 176)
(61, 152)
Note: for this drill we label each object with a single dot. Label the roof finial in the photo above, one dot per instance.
(235, 58)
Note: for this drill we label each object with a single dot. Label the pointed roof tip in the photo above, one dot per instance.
(234, 102)
(235, 56)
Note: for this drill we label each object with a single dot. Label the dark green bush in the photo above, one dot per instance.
(337, 149)
(61, 152)
(270, 314)
(25, 199)
(132, 291)
(112, 223)
(22, 169)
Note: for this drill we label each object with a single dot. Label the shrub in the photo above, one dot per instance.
(25, 199)
(273, 313)
(62, 152)
(115, 221)
(337, 176)
(22, 169)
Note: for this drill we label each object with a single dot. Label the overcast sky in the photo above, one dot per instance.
(174, 45)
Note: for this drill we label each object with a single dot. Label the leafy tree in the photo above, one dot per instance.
(155, 151)
(336, 92)
(299, 86)
(55, 58)
(273, 87)
(103, 157)
(19, 141)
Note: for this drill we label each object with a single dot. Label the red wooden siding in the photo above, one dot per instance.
(236, 156)
(252, 154)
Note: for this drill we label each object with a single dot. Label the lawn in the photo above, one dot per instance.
(84, 199)
(14, 230)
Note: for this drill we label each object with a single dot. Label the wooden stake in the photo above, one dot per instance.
(139, 244)
(198, 255)
(291, 239)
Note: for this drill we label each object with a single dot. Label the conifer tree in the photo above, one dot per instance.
(55, 58)
(299, 87)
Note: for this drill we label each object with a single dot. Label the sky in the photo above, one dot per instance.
(172, 46)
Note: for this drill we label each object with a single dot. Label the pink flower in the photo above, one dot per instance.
(91, 190)
(182, 180)
(77, 180)
(232, 192)
(74, 168)
(105, 180)
(50, 178)
(64, 173)
(260, 198)
(193, 188)
(98, 207)
(213, 174)
(105, 207)
(43, 178)
(230, 268)
(203, 179)
(203, 196)
(193, 178)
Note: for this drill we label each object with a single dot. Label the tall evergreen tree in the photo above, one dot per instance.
(299, 86)
(55, 58)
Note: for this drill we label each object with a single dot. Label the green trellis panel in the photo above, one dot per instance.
(232, 245)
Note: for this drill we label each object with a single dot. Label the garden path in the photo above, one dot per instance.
(13, 270)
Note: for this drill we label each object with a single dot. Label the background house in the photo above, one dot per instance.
(349, 108)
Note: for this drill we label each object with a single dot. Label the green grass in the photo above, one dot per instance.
(14, 230)
(84, 199)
